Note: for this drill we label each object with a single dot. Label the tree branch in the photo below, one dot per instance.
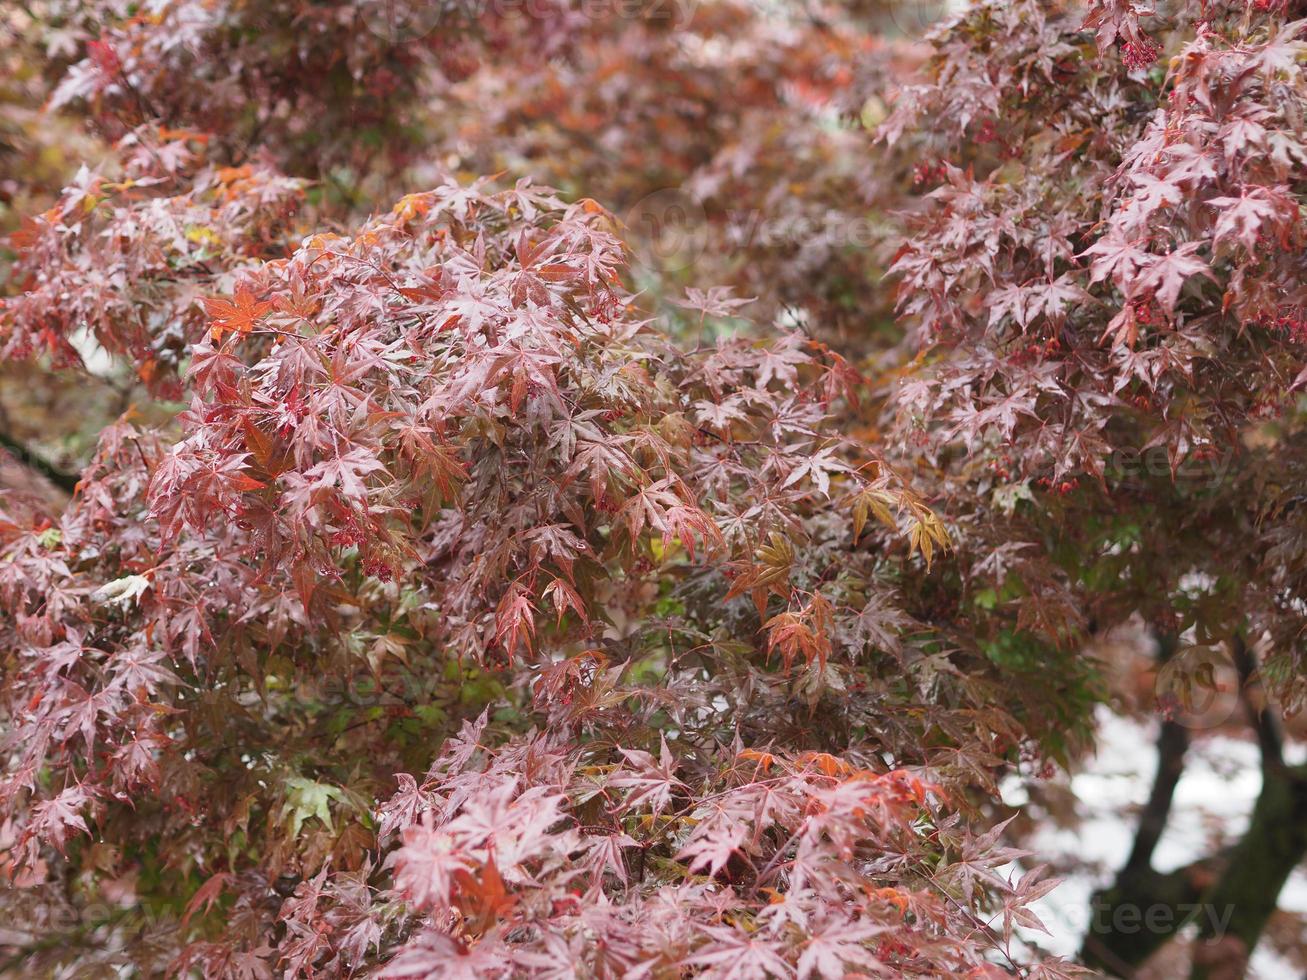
(1107, 945)
(1270, 739)
(1243, 898)
(1172, 744)
(1245, 881)
(1140, 913)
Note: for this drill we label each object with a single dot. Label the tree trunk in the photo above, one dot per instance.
(1246, 894)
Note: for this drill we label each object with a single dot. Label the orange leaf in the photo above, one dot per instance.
(235, 316)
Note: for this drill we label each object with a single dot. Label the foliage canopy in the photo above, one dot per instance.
(469, 590)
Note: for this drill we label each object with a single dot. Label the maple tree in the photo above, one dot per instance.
(1110, 273)
(459, 583)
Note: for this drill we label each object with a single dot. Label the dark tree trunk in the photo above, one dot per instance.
(1245, 895)
(1230, 896)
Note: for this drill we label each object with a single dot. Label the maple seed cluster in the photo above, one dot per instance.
(1141, 53)
(1288, 322)
(926, 172)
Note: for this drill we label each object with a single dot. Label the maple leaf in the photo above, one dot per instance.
(818, 468)
(651, 782)
(836, 945)
(565, 597)
(606, 857)
(435, 953)
(307, 798)
(403, 809)
(237, 315)
(1030, 889)
(428, 865)
(483, 895)
(1242, 218)
(1152, 193)
(1168, 273)
(716, 836)
(56, 818)
(715, 301)
(515, 620)
(205, 896)
(732, 954)
(1117, 258)
(799, 633)
(347, 470)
